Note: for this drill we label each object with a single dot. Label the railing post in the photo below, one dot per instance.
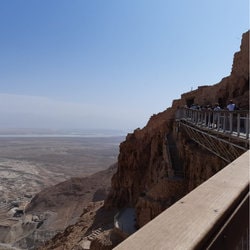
(238, 124)
(224, 122)
(247, 126)
(218, 121)
(203, 118)
(209, 119)
(213, 119)
(230, 123)
(206, 119)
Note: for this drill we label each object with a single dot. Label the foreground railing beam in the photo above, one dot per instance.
(230, 238)
(192, 221)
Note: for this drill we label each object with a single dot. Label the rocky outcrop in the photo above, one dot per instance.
(55, 208)
(77, 191)
(158, 164)
(153, 160)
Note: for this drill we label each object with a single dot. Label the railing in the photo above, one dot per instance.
(215, 215)
(235, 123)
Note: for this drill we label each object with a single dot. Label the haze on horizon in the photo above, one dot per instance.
(110, 64)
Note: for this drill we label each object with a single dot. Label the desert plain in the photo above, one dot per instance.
(29, 165)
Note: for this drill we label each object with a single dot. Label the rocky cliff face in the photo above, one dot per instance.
(56, 207)
(158, 164)
(153, 160)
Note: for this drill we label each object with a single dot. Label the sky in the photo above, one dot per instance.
(81, 64)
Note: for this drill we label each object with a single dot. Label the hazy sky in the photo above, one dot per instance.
(110, 63)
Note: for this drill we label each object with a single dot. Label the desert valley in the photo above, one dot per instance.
(29, 165)
(50, 200)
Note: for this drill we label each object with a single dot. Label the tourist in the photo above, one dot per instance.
(217, 114)
(232, 118)
(217, 107)
(208, 115)
(193, 106)
(231, 106)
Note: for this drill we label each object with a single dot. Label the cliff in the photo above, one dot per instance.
(158, 164)
(153, 160)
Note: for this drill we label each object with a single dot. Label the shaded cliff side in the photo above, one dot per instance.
(153, 160)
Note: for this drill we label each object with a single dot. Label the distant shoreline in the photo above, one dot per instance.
(50, 133)
(57, 136)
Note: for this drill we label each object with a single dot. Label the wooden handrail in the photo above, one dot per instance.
(192, 221)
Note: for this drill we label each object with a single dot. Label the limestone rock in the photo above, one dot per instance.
(145, 171)
(154, 160)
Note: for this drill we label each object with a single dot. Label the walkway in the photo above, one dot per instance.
(125, 220)
(224, 133)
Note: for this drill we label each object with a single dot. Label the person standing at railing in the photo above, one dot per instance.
(231, 106)
(232, 117)
(194, 106)
(208, 115)
(217, 108)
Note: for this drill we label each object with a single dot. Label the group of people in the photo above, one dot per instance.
(231, 107)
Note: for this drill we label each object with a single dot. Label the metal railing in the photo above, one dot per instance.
(235, 123)
(224, 133)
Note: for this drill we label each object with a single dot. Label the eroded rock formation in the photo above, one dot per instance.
(153, 160)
